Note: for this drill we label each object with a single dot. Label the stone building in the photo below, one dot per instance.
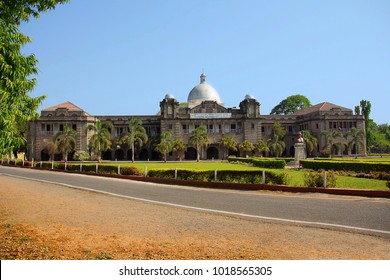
(203, 108)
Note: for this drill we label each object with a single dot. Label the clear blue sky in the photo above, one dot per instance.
(121, 57)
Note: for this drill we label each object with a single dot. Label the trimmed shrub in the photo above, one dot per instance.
(131, 170)
(356, 166)
(388, 184)
(81, 155)
(231, 176)
(261, 162)
(316, 179)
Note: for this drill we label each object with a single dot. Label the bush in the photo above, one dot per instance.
(345, 165)
(388, 184)
(231, 176)
(131, 170)
(316, 179)
(81, 155)
(261, 162)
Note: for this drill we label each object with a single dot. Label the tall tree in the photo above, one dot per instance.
(331, 139)
(199, 138)
(101, 140)
(229, 144)
(166, 144)
(179, 146)
(16, 69)
(275, 143)
(311, 141)
(137, 134)
(291, 104)
(365, 108)
(247, 147)
(261, 147)
(65, 141)
(357, 139)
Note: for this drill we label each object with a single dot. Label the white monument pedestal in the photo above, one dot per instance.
(300, 154)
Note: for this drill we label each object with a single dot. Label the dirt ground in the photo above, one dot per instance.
(46, 221)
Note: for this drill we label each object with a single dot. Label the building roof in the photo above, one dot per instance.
(66, 105)
(324, 106)
(202, 92)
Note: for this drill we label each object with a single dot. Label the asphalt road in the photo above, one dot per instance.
(354, 214)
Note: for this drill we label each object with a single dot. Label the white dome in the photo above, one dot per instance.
(169, 96)
(202, 92)
(249, 96)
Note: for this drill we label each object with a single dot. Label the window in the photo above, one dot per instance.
(233, 127)
(170, 126)
(74, 126)
(61, 127)
(253, 126)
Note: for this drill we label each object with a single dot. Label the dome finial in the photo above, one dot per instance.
(202, 77)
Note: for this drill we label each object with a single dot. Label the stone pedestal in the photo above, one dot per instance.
(300, 154)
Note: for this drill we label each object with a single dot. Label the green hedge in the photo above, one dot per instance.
(346, 165)
(231, 176)
(261, 162)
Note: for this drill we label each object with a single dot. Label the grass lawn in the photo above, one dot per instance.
(297, 176)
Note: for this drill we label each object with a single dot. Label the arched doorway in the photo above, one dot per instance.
(106, 155)
(119, 154)
(190, 154)
(45, 155)
(212, 153)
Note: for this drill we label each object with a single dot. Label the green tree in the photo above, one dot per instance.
(229, 144)
(166, 144)
(310, 141)
(16, 70)
(199, 138)
(275, 143)
(137, 134)
(331, 140)
(51, 149)
(291, 104)
(247, 147)
(261, 147)
(179, 146)
(101, 140)
(65, 141)
(357, 139)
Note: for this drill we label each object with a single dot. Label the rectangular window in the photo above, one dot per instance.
(61, 127)
(74, 127)
(170, 126)
(233, 127)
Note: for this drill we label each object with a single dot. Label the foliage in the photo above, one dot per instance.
(247, 146)
(16, 71)
(316, 179)
(199, 138)
(166, 144)
(331, 140)
(311, 141)
(232, 176)
(137, 134)
(51, 149)
(81, 156)
(275, 143)
(101, 140)
(355, 166)
(229, 144)
(65, 141)
(261, 147)
(357, 139)
(179, 146)
(261, 162)
(291, 104)
(388, 184)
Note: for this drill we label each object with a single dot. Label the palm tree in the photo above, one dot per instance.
(276, 143)
(229, 144)
(261, 147)
(198, 138)
(166, 144)
(65, 141)
(311, 141)
(101, 141)
(179, 146)
(247, 147)
(358, 138)
(137, 134)
(330, 138)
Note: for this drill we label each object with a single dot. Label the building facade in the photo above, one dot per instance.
(203, 108)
